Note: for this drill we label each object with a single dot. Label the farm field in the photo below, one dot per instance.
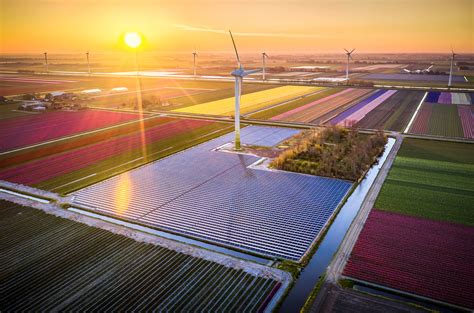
(272, 112)
(250, 102)
(394, 113)
(69, 169)
(428, 258)
(445, 114)
(323, 108)
(413, 77)
(358, 111)
(51, 263)
(433, 180)
(249, 208)
(28, 130)
(19, 84)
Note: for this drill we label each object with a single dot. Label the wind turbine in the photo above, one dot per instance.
(451, 68)
(88, 64)
(349, 56)
(194, 62)
(264, 56)
(239, 75)
(46, 61)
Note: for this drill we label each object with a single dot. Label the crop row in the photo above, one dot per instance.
(449, 97)
(431, 181)
(392, 251)
(60, 164)
(26, 155)
(249, 102)
(355, 113)
(23, 131)
(394, 113)
(50, 263)
(314, 110)
(441, 120)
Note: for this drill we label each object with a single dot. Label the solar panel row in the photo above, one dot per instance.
(214, 196)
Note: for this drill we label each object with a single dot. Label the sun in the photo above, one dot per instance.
(132, 39)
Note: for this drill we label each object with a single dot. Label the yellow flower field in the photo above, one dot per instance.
(249, 102)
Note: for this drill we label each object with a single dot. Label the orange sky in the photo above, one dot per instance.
(275, 25)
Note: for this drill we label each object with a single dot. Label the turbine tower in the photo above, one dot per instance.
(88, 64)
(239, 75)
(264, 56)
(349, 56)
(46, 61)
(451, 68)
(194, 62)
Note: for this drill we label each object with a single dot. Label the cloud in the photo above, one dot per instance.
(243, 34)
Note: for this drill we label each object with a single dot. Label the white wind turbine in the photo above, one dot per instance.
(239, 75)
(88, 64)
(349, 56)
(264, 56)
(194, 62)
(451, 68)
(46, 61)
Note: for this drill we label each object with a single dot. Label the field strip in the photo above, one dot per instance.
(75, 181)
(415, 113)
(284, 102)
(28, 112)
(24, 196)
(77, 135)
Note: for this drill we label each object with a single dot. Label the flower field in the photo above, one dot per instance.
(56, 165)
(28, 130)
(394, 113)
(441, 116)
(449, 97)
(323, 108)
(431, 180)
(428, 258)
(357, 112)
(249, 102)
(419, 236)
(55, 264)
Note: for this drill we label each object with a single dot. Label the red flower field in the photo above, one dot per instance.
(428, 258)
(29, 130)
(59, 164)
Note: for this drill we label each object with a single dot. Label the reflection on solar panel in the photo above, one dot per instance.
(213, 196)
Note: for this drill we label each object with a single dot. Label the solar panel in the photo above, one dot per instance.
(214, 196)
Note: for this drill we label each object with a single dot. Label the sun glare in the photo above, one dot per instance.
(133, 39)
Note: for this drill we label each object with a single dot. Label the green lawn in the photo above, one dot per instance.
(432, 180)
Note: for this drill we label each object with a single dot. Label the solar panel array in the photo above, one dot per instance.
(214, 196)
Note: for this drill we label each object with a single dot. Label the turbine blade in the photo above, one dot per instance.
(245, 73)
(235, 48)
(352, 50)
(346, 50)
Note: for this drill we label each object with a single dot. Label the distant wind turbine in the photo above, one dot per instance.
(264, 56)
(451, 68)
(194, 62)
(46, 61)
(349, 56)
(239, 75)
(88, 64)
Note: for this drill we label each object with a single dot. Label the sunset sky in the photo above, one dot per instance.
(275, 25)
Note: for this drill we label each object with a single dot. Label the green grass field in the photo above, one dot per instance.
(445, 121)
(432, 180)
(9, 110)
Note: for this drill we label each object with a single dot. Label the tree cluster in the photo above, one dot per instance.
(333, 152)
